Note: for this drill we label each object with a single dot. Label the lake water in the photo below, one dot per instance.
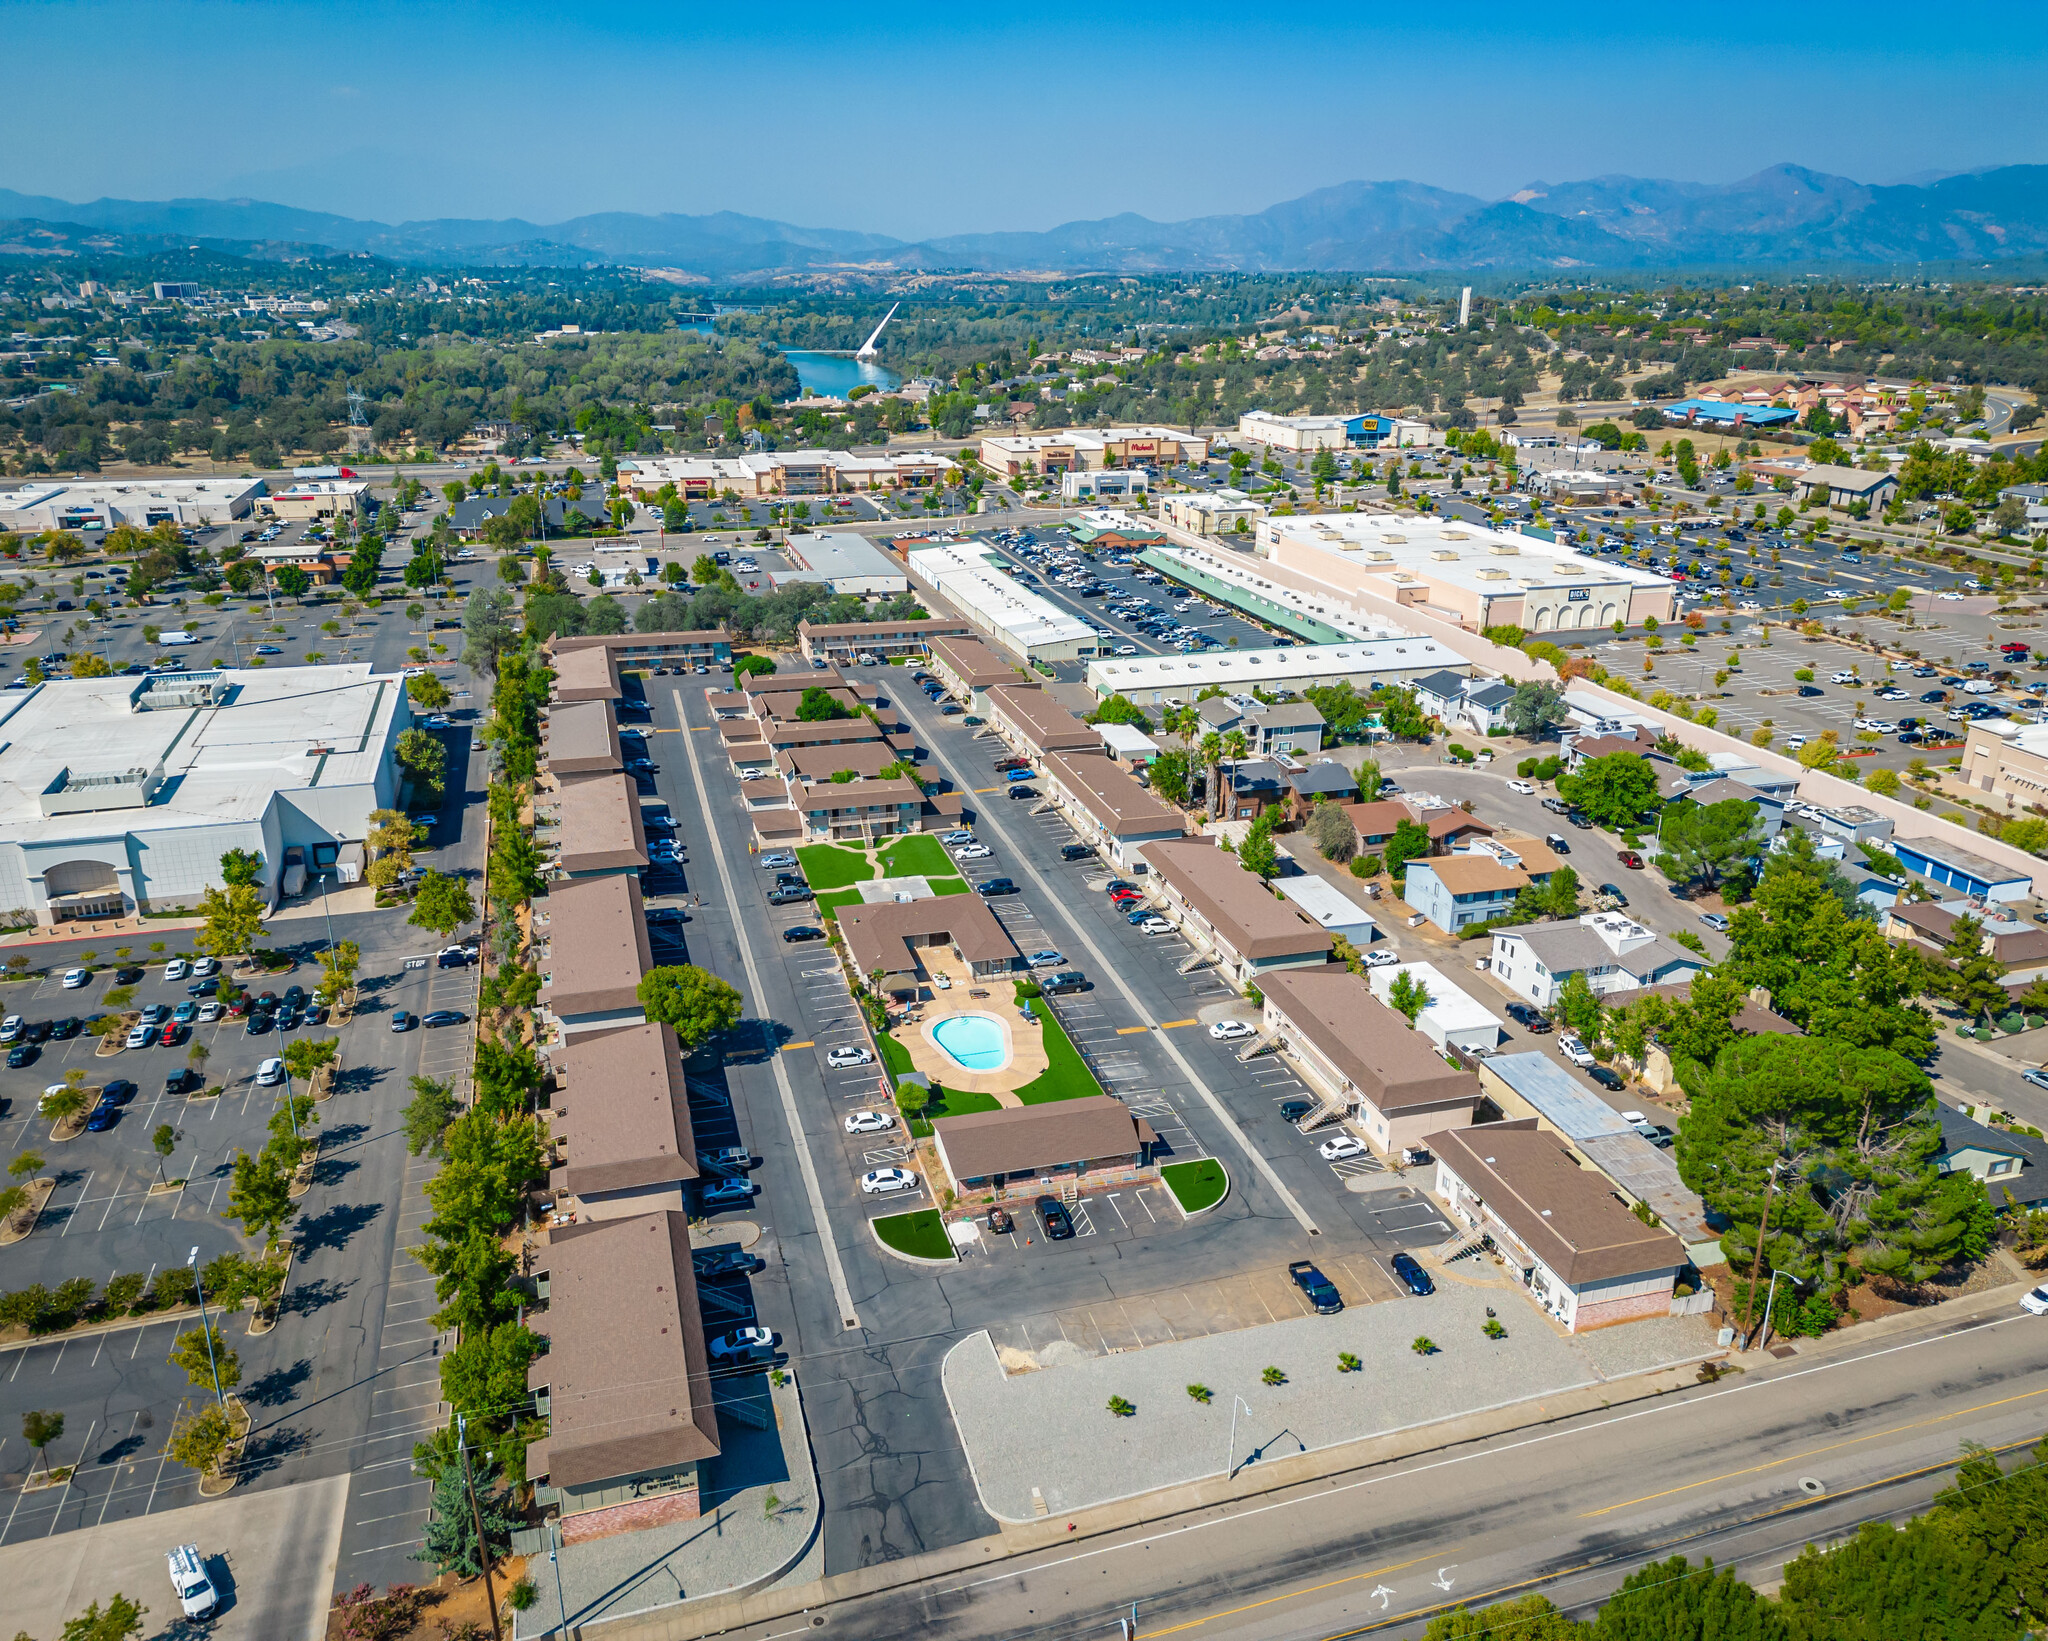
(837, 374)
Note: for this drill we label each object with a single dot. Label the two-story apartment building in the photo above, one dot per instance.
(1612, 950)
(858, 809)
(1477, 882)
(1278, 726)
(1225, 910)
(594, 950)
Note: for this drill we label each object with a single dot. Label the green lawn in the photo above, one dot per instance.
(828, 904)
(920, 1234)
(895, 1057)
(1066, 1076)
(948, 885)
(952, 1102)
(1196, 1185)
(917, 856)
(826, 866)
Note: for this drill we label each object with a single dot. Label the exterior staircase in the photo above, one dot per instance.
(1194, 961)
(1257, 1046)
(1322, 1117)
(1460, 1246)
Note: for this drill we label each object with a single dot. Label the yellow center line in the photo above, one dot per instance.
(1814, 1452)
(1169, 1025)
(791, 1048)
(980, 790)
(1291, 1595)
(1125, 1031)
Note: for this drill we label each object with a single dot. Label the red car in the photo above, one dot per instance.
(172, 1033)
(239, 1007)
(1628, 857)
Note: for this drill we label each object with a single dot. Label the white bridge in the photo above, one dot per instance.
(867, 349)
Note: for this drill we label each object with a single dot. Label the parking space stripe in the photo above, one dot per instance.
(791, 1048)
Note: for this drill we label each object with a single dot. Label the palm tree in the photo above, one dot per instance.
(1235, 749)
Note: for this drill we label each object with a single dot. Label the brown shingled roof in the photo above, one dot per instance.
(582, 739)
(1391, 1065)
(597, 945)
(622, 1112)
(879, 935)
(600, 825)
(1241, 909)
(1032, 1137)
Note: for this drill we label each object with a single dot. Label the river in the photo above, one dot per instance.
(837, 374)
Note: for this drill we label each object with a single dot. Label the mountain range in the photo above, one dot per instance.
(1783, 216)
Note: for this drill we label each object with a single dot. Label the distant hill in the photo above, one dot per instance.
(1781, 216)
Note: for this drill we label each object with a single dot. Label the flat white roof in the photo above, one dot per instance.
(1358, 657)
(835, 553)
(1325, 902)
(962, 571)
(278, 729)
(1456, 552)
(1128, 739)
(1451, 1008)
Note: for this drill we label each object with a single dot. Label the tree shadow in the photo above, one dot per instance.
(359, 1079)
(279, 1385)
(115, 1452)
(266, 1450)
(333, 1228)
(317, 1294)
(333, 1170)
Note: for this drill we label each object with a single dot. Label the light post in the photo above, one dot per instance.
(206, 1328)
(555, 1561)
(1230, 1455)
(1764, 1332)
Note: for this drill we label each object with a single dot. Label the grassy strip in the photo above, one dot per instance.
(826, 866)
(828, 904)
(1196, 1185)
(895, 1058)
(920, 1234)
(1066, 1075)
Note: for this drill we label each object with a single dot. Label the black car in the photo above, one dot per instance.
(1295, 1110)
(295, 997)
(1076, 851)
(798, 932)
(791, 880)
(990, 887)
(23, 1054)
(1613, 893)
(258, 1024)
(1065, 980)
(204, 988)
(178, 1082)
(1053, 1217)
(443, 1017)
(36, 1031)
(724, 1262)
(1606, 1079)
(65, 1029)
(1580, 819)
(1811, 689)
(1935, 697)
(1413, 1276)
(1527, 1018)
(1023, 792)
(952, 709)
(127, 977)
(1321, 1291)
(789, 894)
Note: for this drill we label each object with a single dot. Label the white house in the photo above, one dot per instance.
(1613, 952)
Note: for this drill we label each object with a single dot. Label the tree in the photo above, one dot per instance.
(1529, 1618)
(1171, 775)
(422, 756)
(490, 1167)
(1578, 1008)
(1535, 707)
(427, 1115)
(87, 665)
(1410, 841)
(1612, 790)
(508, 1076)
(472, 1280)
(450, 1543)
(39, 1430)
(66, 1103)
(1334, 834)
(694, 1001)
(292, 581)
(485, 1375)
(259, 1194)
(428, 692)
(338, 966)
(816, 706)
(1121, 709)
(391, 839)
(1675, 1601)
(1703, 841)
(164, 1141)
(191, 1353)
(234, 920)
(1966, 974)
(487, 629)
(749, 665)
(241, 868)
(1402, 717)
(1258, 853)
(442, 904)
(1407, 997)
(200, 1441)
(513, 873)
(1557, 896)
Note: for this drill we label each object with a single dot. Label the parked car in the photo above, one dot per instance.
(856, 1054)
(1321, 1292)
(1609, 1080)
(2035, 1301)
(1045, 960)
(1526, 788)
(741, 1343)
(138, 1037)
(270, 1073)
(724, 1262)
(176, 969)
(797, 933)
(989, 888)
(869, 1122)
(1119, 886)
(789, 894)
(781, 858)
(1344, 1145)
(1076, 851)
(1231, 1031)
(400, 1020)
(1054, 1219)
(886, 1182)
(1629, 858)
(204, 967)
(441, 1017)
(1714, 920)
(1613, 892)
(10, 1029)
(182, 1081)
(26, 1054)
(1528, 1018)
(973, 851)
(74, 978)
(1412, 1275)
(1022, 792)
(724, 1192)
(1066, 980)
(1575, 1051)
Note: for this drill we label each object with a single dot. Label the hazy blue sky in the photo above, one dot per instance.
(920, 119)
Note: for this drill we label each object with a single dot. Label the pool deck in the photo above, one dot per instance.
(1026, 1040)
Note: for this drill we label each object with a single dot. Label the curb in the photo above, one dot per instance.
(1186, 1213)
(909, 1259)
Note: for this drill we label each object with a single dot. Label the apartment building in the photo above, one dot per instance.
(1106, 807)
(1228, 913)
(842, 643)
(1611, 950)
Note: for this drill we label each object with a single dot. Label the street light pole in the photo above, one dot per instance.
(206, 1329)
(1230, 1456)
(476, 1514)
(1763, 1225)
(1764, 1333)
(555, 1561)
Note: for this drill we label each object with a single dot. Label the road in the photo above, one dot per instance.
(1747, 1471)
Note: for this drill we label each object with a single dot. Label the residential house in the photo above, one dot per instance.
(1454, 890)
(1323, 781)
(1845, 487)
(1612, 951)
(1582, 1256)
(1268, 726)
(1362, 1059)
(2013, 1167)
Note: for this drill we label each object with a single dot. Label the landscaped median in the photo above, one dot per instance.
(919, 1236)
(1197, 1186)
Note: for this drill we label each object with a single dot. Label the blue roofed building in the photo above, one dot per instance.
(1728, 414)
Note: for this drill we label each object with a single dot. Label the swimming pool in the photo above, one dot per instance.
(976, 1042)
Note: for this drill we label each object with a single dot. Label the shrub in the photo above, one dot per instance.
(1121, 1408)
(1423, 1345)
(1273, 1376)
(1493, 1329)
(1347, 1363)
(1202, 1394)
(1365, 866)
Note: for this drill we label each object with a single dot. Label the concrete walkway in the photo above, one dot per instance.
(760, 1524)
(1044, 1442)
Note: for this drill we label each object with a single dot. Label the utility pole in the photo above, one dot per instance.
(483, 1549)
(1757, 1267)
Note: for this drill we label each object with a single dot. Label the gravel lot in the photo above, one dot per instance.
(1050, 1429)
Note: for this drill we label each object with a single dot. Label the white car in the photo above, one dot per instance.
(204, 967)
(2035, 1302)
(10, 1028)
(1229, 1031)
(1344, 1145)
(1524, 787)
(1155, 925)
(853, 1055)
(741, 1343)
(869, 1122)
(1575, 1051)
(74, 978)
(270, 1073)
(208, 1013)
(973, 851)
(139, 1036)
(1379, 959)
(950, 840)
(884, 1182)
(177, 969)
(1950, 597)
